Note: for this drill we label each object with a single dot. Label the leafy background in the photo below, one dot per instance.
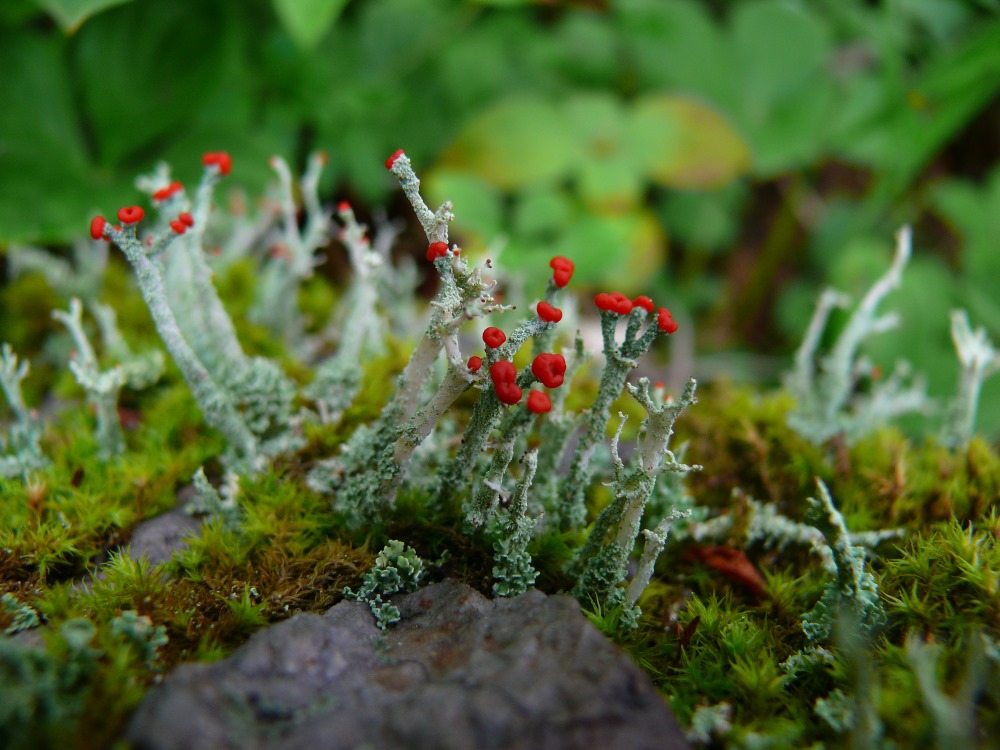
(729, 158)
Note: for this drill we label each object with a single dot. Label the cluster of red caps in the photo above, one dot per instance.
(618, 303)
(549, 369)
(134, 214)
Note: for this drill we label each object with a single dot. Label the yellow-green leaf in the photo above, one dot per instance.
(679, 142)
(519, 142)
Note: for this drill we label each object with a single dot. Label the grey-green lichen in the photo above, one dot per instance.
(853, 587)
(398, 569)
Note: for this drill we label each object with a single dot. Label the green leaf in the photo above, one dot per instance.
(513, 144)
(140, 87)
(607, 177)
(476, 203)
(47, 191)
(542, 213)
(950, 90)
(69, 14)
(974, 214)
(307, 21)
(770, 70)
(706, 221)
(18, 12)
(682, 143)
(675, 44)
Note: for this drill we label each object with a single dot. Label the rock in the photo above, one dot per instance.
(159, 537)
(459, 671)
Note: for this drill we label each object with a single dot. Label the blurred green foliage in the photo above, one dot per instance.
(733, 157)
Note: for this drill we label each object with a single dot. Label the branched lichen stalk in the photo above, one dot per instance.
(221, 338)
(211, 399)
(512, 569)
(619, 362)
(853, 586)
(656, 540)
(617, 526)
(434, 223)
(102, 387)
(802, 380)
(24, 435)
(979, 360)
(513, 424)
(863, 322)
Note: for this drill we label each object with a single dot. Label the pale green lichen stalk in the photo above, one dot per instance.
(141, 370)
(979, 359)
(513, 572)
(294, 256)
(826, 386)
(21, 450)
(603, 560)
(215, 404)
(853, 587)
(620, 360)
(82, 278)
(954, 714)
(216, 504)
(102, 387)
(360, 327)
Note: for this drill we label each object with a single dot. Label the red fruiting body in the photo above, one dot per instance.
(562, 270)
(475, 363)
(539, 402)
(97, 227)
(130, 214)
(437, 250)
(550, 369)
(548, 313)
(494, 337)
(644, 302)
(343, 207)
(163, 193)
(615, 302)
(221, 159)
(503, 374)
(664, 321)
(178, 226)
(508, 393)
(392, 159)
(185, 218)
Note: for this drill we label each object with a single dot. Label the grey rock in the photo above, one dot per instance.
(159, 538)
(458, 672)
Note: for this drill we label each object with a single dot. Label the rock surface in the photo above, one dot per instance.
(159, 538)
(458, 672)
